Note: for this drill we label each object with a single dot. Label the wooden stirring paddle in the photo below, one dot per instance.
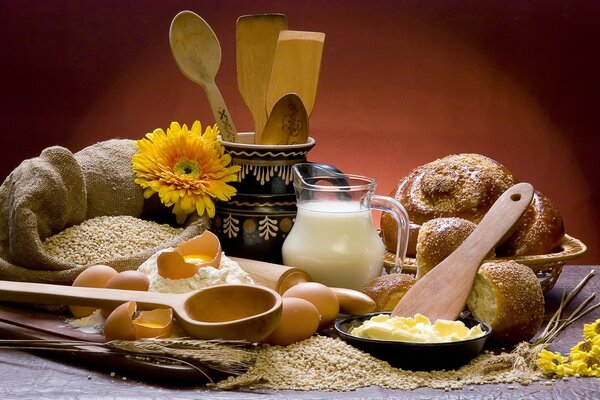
(442, 293)
(296, 67)
(256, 41)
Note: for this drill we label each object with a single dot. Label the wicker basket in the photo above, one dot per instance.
(547, 267)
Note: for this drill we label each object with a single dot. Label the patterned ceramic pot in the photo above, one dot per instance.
(255, 222)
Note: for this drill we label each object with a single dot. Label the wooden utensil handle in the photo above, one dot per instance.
(221, 113)
(498, 221)
(41, 293)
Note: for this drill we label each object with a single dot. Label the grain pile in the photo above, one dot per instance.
(324, 363)
(107, 237)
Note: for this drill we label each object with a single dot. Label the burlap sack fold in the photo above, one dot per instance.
(59, 189)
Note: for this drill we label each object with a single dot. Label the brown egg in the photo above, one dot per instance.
(127, 280)
(299, 320)
(96, 276)
(191, 255)
(154, 324)
(118, 325)
(320, 296)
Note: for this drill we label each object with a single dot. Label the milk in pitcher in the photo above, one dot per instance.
(336, 243)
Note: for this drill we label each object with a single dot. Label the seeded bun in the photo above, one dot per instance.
(509, 297)
(387, 290)
(466, 186)
(437, 239)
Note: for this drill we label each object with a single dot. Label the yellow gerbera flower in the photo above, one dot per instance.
(591, 330)
(187, 168)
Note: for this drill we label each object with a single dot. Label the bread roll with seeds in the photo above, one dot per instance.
(466, 186)
(460, 185)
(437, 239)
(387, 290)
(509, 298)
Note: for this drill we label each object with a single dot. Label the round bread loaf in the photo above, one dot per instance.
(466, 186)
(461, 185)
(437, 239)
(387, 290)
(509, 298)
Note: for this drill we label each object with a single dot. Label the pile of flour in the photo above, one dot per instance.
(228, 272)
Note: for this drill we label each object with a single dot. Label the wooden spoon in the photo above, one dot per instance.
(296, 67)
(443, 291)
(287, 123)
(218, 312)
(256, 41)
(197, 53)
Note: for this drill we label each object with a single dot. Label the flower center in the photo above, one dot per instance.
(585, 346)
(187, 168)
(591, 361)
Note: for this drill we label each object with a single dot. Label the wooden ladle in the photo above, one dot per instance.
(197, 53)
(232, 312)
(443, 291)
(287, 123)
(256, 41)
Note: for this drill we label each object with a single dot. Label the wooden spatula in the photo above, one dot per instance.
(443, 291)
(296, 67)
(256, 41)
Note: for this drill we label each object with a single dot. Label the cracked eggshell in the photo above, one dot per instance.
(122, 324)
(156, 323)
(118, 325)
(189, 256)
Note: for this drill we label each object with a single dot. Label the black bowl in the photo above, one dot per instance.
(415, 356)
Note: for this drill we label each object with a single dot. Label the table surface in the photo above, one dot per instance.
(26, 375)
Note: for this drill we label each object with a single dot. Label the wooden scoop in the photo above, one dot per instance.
(233, 312)
(287, 123)
(197, 52)
(296, 67)
(442, 293)
(256, 41)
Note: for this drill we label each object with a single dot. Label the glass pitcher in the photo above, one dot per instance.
(333, 238)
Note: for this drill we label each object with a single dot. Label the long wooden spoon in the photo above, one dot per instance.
(287, 123)
(296, 67)
(197, 52)
(443, 291)
(218, 312)
(256, 41)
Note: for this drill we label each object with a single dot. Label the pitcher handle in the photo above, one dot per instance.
(397, 211)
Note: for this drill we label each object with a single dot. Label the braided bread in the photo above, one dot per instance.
(466, 186)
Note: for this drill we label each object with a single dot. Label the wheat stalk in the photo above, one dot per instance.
(557, 324)
(230, 357)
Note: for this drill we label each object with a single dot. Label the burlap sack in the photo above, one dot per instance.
(59, 189)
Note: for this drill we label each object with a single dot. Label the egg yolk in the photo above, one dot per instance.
(197, 258)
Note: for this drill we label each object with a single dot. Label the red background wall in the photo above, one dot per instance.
(402, 83)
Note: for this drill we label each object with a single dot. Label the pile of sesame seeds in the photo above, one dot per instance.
(326, 364)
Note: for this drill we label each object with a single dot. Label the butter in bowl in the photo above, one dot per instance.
(414, 343)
